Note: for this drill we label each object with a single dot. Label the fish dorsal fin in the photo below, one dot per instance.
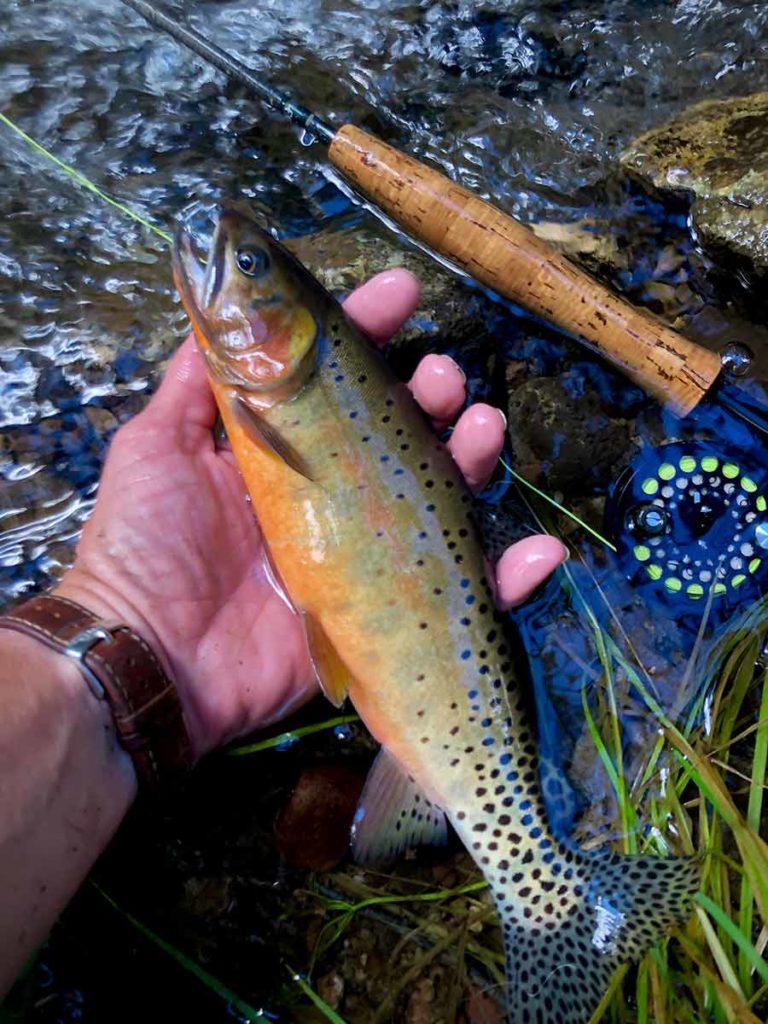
(333, 674)
(394, 815)
(265, 435)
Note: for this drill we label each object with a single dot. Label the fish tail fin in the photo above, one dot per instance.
(562, 953)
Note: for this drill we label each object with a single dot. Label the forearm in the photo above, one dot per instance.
(65, 785)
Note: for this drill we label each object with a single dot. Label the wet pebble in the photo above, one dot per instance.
(420, 1007)
(330, 988)
(482, 1008)
(313, 829)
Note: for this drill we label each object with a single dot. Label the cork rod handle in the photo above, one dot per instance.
(501, 253)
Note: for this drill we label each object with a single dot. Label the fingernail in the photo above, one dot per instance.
(461, 371)
(503, 417)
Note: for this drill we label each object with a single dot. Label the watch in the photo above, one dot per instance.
(121, 669)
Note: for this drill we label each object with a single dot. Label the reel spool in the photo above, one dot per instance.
(691, 521)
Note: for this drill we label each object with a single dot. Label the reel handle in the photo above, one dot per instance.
(501, 253)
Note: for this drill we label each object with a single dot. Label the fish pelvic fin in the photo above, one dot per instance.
(332, 674)
(558, 971)
(394, 815)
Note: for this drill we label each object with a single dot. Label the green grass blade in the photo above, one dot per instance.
(556, 504)
(725, 999)
(643, 994)
(332, 930)
(754, 812)
(615, 774)
(419, 897)
(188, 964)
(284, 739)
(755, 960)
(328, 1012)
(719, 953)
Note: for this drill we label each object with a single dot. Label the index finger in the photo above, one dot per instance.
(381, 306)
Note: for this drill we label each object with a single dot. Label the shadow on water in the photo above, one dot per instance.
(530, 103)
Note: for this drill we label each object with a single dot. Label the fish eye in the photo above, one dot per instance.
(252, 262)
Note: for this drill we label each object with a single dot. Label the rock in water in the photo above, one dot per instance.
(718, 152)
(313, 830)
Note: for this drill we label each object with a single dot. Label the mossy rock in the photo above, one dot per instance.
(717, 152)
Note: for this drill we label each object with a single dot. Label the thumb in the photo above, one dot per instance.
(184, 396)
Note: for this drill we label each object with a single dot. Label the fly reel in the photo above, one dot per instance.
(691, 521)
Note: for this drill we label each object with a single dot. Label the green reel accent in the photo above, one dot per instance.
(695, 524)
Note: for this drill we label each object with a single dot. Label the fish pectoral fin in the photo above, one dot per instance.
(265, 435)
(332, 673)
(394, 815)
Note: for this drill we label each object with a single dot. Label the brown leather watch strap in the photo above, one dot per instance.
(121, 668)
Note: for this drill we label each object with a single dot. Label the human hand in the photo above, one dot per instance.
(173, 550)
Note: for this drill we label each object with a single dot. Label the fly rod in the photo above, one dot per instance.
(489, 245)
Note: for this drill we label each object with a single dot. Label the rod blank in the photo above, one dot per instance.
(233, 68)
(490, 245)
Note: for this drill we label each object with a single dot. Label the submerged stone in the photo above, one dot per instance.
(313, 829)
(717, 152)
(562, 434)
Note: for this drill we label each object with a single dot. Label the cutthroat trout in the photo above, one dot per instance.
(368, 525)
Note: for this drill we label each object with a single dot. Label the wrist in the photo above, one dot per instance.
(66, 786)
(58, 696)
(116, 607)
(111, 606)
(123, 674)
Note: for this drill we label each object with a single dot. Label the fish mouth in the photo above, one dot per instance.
(227, 333)
(198, 284)
(200, 281)
(189, 273)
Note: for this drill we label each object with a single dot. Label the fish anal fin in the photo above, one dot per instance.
(265, 435)
(332, 673)
(394, 815)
